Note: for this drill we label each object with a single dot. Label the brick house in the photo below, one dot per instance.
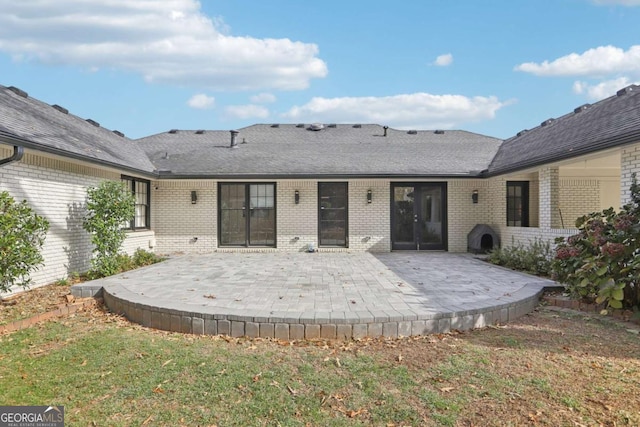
(336, 187)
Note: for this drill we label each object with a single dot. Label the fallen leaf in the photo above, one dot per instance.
(256, 378)
(84, 363)
(447, 389)
(353, 414)
(399, 358)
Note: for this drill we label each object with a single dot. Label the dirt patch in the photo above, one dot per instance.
(32, 302)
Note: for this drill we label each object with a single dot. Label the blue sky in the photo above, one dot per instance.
(146, 66)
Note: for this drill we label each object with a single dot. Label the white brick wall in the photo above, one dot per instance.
(179, 225)
(56, 189)
(297, 225)
(578, 197)
(463, 214)
(369, 223)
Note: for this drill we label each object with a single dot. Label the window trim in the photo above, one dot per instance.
(346, 219)
(247, 194)
(132, 189)
(524, 189)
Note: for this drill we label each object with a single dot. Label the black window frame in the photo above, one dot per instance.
(512, 211)
(147, 217)
(346, 218)
(247, 197)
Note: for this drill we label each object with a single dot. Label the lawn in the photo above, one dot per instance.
(551, 368)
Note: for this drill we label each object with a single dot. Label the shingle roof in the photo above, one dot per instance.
(612, 122)
(287, 150)
(40, 126)
(336, 150)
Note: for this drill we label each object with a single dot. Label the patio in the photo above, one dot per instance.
(343, 295)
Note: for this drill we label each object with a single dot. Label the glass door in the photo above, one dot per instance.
(418, 216)
(332, 214)
(247, 214)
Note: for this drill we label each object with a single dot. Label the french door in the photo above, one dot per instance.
(419, 216)
(247, 214)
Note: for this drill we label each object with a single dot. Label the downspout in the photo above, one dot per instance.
(18, 152)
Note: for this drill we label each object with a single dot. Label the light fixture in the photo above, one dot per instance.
(474, 196)
(194, 197)
(369, 196)
(296, 197)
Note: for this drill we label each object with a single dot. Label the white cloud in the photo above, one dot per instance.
(596, 92)
(417, 110)
(444, 60)
(599, 61)
(247, 111)
(263, 98)
(169, 41)
(620, 2)
(201, 101)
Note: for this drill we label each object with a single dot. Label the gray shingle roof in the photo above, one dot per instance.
(40, 126)
(611, 122)
(287, 150)
(343, 150)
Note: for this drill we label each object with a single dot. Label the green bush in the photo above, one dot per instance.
(142, 258)
(109, 207)
(22, 234)
(602, 261)
(535, 258)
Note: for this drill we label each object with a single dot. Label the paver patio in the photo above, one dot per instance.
(320, 295)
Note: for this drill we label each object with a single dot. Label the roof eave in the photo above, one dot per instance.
(21, 142)
(162, 175)
(619, 141)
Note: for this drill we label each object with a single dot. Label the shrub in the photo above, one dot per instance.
(602, 261)
(22, 234)
(109, 207)
(142, 258)
(535, 258)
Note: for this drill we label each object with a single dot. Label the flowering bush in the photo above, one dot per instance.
(602, 261)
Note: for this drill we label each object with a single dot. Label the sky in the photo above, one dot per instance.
(493, 67)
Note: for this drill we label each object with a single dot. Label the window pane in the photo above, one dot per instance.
(333, 214)
(518, 203)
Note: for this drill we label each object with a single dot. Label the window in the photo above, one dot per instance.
(140, 190)
(332, 214)
(518, 203)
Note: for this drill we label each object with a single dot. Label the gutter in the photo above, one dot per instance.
(18, 152)
(617, 142)
(164, 174)
(23, 143)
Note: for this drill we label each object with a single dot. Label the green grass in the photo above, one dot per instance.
(108, 372)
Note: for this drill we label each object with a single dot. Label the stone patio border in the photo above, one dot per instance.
(335, 326)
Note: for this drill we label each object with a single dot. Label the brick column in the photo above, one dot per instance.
(630, 162)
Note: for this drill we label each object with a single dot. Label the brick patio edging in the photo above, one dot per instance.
(290, 327)
(62, 310)
(566, 302)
